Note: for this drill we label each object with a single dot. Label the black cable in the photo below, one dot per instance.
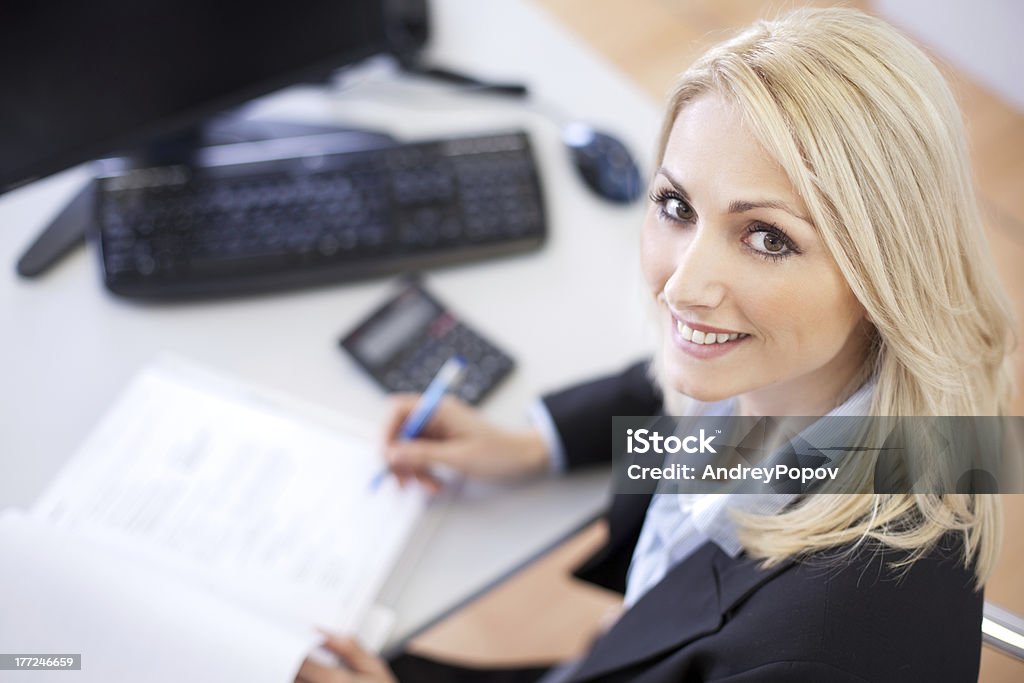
(517, 90)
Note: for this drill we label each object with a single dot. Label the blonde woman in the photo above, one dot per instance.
(813, 247)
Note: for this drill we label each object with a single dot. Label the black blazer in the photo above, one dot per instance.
(714, 618)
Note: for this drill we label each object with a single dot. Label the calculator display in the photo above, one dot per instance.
(404, 319)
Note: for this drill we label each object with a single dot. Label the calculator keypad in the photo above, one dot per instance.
(485, 364)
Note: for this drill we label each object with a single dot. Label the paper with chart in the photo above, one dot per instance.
(211, 482)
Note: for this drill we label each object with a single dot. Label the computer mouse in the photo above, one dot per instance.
(604, 162)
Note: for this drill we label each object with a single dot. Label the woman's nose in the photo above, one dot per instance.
(700, 274)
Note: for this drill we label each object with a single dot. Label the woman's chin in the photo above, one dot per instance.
(696, 382)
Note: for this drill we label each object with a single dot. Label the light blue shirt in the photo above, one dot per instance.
(677, 524)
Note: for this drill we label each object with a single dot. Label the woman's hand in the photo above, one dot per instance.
(459, 437)
(362, 666)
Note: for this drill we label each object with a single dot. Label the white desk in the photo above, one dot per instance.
(572, 310)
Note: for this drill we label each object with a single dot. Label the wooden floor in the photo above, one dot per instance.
(651, 41)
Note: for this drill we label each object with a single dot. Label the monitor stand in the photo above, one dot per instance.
(68, 230)
(60, 237)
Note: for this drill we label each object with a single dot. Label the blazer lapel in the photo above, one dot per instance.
(739, 577)
(608, 566)
(685, 605)
(681, 607)
(625, 517)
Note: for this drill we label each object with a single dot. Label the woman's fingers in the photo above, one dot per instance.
(432, 484)
(362, 666)
(356, 657)
(459, 437)
(314, 672)
(401, 406)
(406, 475)
(420, 454)
(452, 416)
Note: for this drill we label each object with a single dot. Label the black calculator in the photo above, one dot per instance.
(406, 341)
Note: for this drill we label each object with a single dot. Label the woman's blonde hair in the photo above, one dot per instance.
(870, 135)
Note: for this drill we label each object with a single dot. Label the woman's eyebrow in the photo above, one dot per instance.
(676, 185)
(737, 206)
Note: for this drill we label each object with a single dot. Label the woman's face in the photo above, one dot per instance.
(730, 255)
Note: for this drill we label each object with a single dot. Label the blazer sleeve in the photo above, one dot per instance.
(583, 413)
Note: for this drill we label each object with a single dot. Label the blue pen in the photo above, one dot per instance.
(447, 378)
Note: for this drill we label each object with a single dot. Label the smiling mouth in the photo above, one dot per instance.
(706, 338)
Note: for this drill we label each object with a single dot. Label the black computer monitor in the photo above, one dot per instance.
(79, 80)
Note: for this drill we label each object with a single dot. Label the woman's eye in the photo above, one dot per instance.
(677, 209)
(769, 243)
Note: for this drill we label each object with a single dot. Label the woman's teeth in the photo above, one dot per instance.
(698, 337)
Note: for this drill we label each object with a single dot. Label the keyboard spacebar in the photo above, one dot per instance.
(262, 261)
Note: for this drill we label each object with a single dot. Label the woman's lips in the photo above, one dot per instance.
(704, 341)
(702, 334)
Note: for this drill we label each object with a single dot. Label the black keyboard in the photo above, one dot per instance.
(175, 232)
